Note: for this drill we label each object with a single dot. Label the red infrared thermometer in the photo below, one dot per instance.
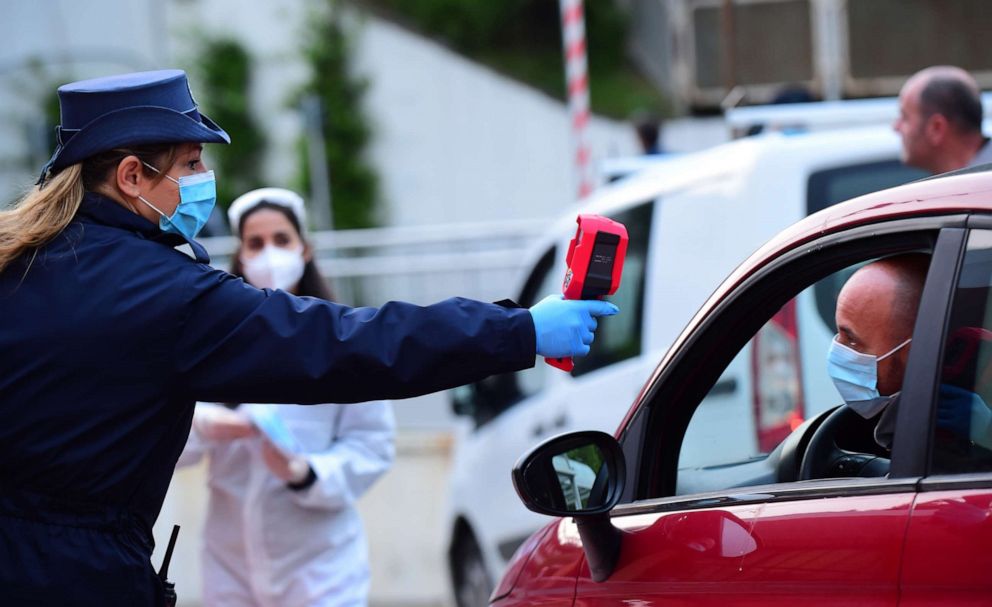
(595, 264)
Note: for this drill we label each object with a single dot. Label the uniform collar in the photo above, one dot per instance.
(97, 208)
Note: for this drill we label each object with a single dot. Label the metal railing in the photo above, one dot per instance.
(419, 264)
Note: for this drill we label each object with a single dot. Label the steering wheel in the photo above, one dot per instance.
(826, 458)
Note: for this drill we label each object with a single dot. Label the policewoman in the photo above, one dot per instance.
(113, 325)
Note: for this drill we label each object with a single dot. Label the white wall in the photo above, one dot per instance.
(458, 142)
(453, 141)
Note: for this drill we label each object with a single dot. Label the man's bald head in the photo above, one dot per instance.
(940, 118)
(877, 309)
(952, 92)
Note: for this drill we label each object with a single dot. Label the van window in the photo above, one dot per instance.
(619, 337)
(828, 187)
(488, 398)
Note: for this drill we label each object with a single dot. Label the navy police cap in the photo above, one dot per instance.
(129, 109)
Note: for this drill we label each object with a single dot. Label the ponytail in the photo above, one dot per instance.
(48, 209)
(41, 214)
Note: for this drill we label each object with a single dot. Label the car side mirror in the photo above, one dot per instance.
(575, 474)
(580, 474)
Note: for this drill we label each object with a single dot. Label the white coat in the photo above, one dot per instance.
(267, 545)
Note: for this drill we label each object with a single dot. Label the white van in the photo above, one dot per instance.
(690, 218)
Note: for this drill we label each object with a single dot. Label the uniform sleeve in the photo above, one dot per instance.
(235, 343)
(363, 450)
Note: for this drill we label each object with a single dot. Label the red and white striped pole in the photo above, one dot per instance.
(573, 36)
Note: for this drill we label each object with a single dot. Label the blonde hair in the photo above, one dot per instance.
(41, 214)
(48, 209)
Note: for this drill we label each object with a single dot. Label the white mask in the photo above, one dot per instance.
(274, 268)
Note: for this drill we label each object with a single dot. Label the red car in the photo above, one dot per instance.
(825, 517)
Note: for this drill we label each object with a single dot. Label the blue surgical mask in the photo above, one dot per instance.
(856, 377)
(197, 196)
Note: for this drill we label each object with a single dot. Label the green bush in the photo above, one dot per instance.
(354, 184)
(224, 68)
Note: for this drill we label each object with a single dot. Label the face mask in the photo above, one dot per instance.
(275, 268)
(197, 196)
(856, 377)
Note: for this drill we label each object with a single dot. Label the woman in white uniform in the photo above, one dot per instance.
(282, 527)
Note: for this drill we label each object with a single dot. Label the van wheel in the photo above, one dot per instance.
(472, 583)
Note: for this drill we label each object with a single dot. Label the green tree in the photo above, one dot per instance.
(225, 70)
(346, 133)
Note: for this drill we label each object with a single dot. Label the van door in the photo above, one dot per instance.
(605, 383)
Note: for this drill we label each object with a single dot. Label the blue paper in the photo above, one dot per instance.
(271, 425)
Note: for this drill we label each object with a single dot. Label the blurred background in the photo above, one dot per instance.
(436, 140)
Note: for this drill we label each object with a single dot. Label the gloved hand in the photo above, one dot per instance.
(565, 327)
(954, 410)
(215, 423)
(291, 469)
(965, 414)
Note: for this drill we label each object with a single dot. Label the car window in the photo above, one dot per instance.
(486, 399)
(619, 337)
(828, 187)
(963, 429)
(735, 435)
(755, 404)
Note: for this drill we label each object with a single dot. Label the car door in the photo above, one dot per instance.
(947, 559)
(714, 518)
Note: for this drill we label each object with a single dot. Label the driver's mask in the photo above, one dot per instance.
(855, 375)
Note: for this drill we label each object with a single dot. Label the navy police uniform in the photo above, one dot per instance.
(110, 335)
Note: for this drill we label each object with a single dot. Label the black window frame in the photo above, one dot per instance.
(668, 404)
(919, 423)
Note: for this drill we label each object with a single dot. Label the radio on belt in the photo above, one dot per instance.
(595, 264)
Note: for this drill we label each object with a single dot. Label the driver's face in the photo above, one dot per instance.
(867, 321)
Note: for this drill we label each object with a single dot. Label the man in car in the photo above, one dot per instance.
(940, 120)
(876, 312)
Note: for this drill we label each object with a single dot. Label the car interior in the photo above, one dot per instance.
(838, 442)
(832, 443)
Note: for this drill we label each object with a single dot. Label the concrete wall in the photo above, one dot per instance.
(462, 143)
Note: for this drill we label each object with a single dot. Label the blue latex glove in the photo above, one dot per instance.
(564, 327)
(954, 410)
